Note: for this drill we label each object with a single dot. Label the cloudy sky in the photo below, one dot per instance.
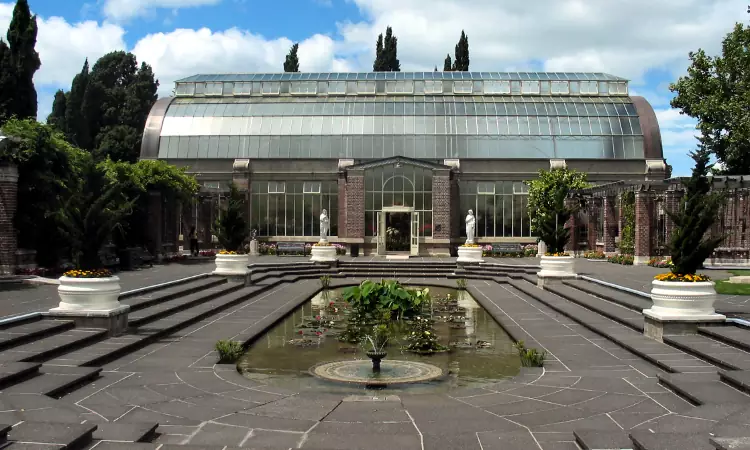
(646, 41)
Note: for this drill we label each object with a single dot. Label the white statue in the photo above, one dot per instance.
(324, 221)
(470, 225)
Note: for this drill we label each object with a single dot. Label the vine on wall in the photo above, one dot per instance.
(627, 237)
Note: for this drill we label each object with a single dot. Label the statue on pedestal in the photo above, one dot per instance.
(470, 226)
(324, 222)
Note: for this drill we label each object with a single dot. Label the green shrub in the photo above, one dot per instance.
(325, 281)
(229, 351)
(370, 297)
(530, 357)
(461, 284)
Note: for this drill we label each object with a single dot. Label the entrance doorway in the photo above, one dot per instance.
(398, 230)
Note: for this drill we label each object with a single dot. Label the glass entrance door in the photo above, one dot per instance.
(414, 234)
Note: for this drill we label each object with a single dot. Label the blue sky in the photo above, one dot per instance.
(646, 41)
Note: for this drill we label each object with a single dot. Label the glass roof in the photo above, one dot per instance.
(562, 76)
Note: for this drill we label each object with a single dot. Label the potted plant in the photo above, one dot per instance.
(682, 292)
(94, 208)
(231, 231)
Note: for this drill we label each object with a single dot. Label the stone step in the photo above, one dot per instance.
(51, 346)
(66, 436)
(711, 350)
(29, 331)
(161, 287)
(704, 392)
(310, 272)
(4, 430)
(646, 440)
(630, 301)
(126, 432)
(171, 306)
(116, 347)
(148, 299)
(598, 440)
(55, 381)
(13, 372)
(735, 336)
(737, 443)
(737, 379)
(600, 305)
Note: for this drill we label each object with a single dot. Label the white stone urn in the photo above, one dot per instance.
(88, 294)
(683, 301)
(231, 265)
(470, 254)
(557, 267)
(323, 252)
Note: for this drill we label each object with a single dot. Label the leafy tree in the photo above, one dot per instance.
(386, 53)
(379, 64)
(448, 64)
(715, 92)
(93, 209)
(690, 245)
(231, 228)
(292, 62)
(548, 211)
(22, 42)
(7, 83)
(57, 116)
(75, 125)
(461, 62)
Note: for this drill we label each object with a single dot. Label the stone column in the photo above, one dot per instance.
(355, 204)
(241, 179)
(342, 205)
(571, 225)
(593, 223)
(8, 200)
(643, 222)
(154, 223)
(441, 204)
(610, 224)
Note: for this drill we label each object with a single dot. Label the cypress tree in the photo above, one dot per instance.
(378, 65)
(461, 62)
(22, 42)
(76, 127)
(448, 64)
(7, 83)
(390, 51)
(292, 62)
(57, 116)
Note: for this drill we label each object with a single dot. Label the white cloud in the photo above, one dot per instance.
(121, 10)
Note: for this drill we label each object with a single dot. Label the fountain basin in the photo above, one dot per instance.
(392, 372)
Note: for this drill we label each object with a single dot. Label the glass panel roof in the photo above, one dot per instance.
(405, 75)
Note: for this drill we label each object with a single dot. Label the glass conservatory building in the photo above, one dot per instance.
(396, 159)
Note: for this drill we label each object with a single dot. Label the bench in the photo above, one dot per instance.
(290, 248)
(142, 257)
(506, 249)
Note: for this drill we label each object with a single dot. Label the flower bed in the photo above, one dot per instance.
(265, 248)
(660, 263)
(625, 260)
(97, 273)
(595, 254)
(557, 254)
(207, 253)
(690, 278)
(227, 252)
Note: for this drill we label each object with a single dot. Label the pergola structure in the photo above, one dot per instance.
(601, 223)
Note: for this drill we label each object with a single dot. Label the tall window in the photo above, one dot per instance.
(293, 208)
(407, 186)
(500, 208)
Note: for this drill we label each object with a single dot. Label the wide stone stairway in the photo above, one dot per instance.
(604, 386)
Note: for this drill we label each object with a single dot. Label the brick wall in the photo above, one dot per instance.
(455, 219)
(672, 201)
(8, 201)
(610, 224)
(571, 226)
(342, 205)
(593, 223)
(441, 206)
(643, 222)
(355, 206)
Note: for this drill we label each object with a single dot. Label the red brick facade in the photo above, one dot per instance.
(610, 223)
(593, 223)
(8, 200)
(643, 222)
(441, 205)
(355, 205)
(342, 205)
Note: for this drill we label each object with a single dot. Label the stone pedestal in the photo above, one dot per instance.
(555, 269)
(253, 248)
(115, 321)
(231, 265)
(680, 308)
(323, 253)
(92, 303)
(656, 327)
(470, 254)
(541, 249)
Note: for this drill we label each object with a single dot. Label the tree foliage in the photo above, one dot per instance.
(386, 53)
(461, 61)
(715, 92)
(231, 227)
(291, 64)
(25, 60)
(57, 117)
(447, 64)
(690, 245)
(548, 210)
(75, 126)
(7, 83)
(627, 238)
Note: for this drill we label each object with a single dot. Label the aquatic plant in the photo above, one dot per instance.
(229, 351)
(530, 357)
(461, 284)
(423, 338)
(371, 297)
(325, 281)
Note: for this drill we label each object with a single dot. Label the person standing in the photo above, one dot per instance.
(193, 242)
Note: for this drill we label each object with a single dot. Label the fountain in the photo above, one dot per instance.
(376, 356)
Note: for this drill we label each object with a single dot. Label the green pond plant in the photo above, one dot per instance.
(422, 337)
(229, 351)
(530, 357)
(461, 284)
(325, 281)
(388, 297)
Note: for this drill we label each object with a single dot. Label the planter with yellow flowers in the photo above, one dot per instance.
(231, 231)
(683, 298)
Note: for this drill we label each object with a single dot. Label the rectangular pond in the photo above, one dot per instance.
(326, 331)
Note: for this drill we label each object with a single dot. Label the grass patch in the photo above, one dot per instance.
(727, 288)
(740, 273)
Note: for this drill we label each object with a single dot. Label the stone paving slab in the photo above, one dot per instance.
(733, 335)
(723, 355)
(43, 349)
(26, 332)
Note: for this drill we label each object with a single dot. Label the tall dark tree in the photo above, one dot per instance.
(22, 42)
(448, 64)
(57, 116)
(292, 62)
(715, 92)
(461, 62)
(76, 127)
(7, 83)
(386, 53)
(379, 64)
